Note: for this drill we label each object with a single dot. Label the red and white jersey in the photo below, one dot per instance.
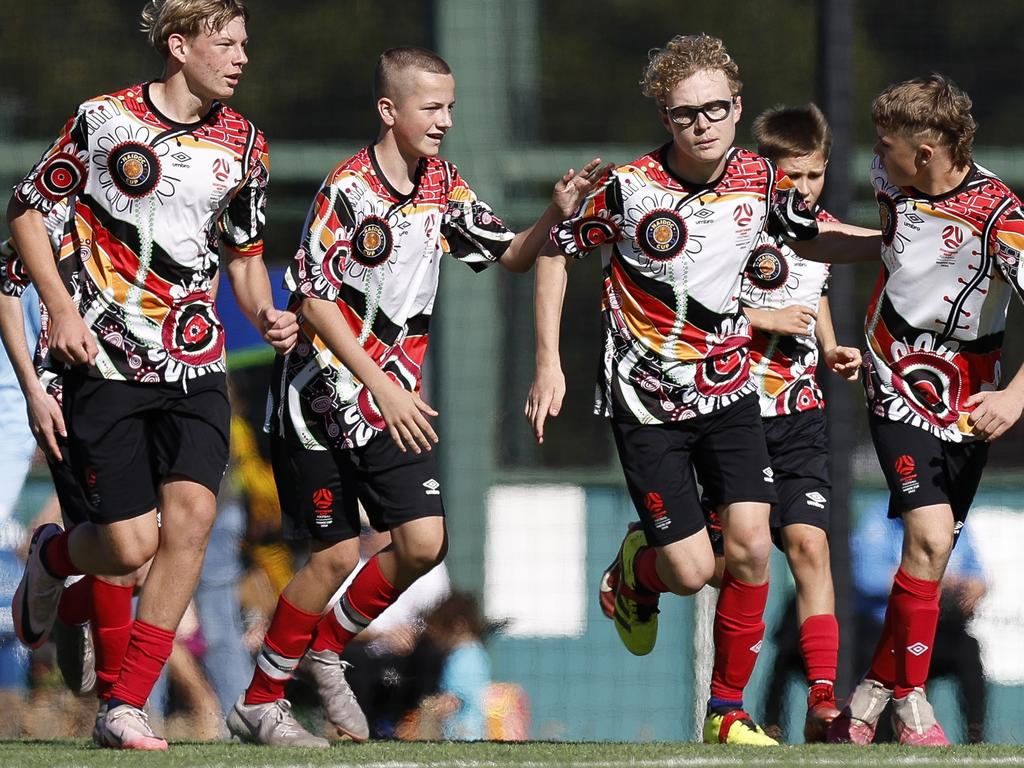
(674, 254)
(154, 200)
(936, 321)
(783, 367)
(376, 254)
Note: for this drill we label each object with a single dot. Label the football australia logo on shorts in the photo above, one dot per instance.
(323, 506)
(656, 506)
(906, 468)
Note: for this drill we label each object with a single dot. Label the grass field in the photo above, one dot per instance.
(61, 754)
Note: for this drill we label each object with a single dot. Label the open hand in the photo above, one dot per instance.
(573, 187)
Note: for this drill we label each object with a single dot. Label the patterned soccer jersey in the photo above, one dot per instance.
(673, 253)
(935, 324)
(784, 367)
(153, 202)
(14, 280)
(376, 254)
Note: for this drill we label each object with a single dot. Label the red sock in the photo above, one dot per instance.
(75, 605)
(819, 644)
(645, 567)
(56, 558)
(364, 600)
(111, 631)
(148, 650)
(883, 663)
(915, 617)
(283, 647)
(738, 631)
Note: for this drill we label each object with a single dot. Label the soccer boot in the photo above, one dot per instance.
(127, 727)
(326, 670)
(610, 580)
(38, 593)
(914, 723)
(75, 657)
(856, 722)
(97, 728)
(636, 609)
(271, 724)
(821, 711)
(735, 727)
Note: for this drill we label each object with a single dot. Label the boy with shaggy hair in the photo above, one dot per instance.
(951, 244)
(166, 181)
(348, 424)
(676, 229)
(785, 298)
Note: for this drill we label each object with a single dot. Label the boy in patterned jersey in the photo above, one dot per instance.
(347, 421)
(676, 228)
(101, 606)
(785, 298)
(165, 179)
(951, 243)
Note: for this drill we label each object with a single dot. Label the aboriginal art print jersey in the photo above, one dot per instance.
(784, 367)
(376, 254)
(154, 201)
(14, 280)
(674, 254)
(936, 321)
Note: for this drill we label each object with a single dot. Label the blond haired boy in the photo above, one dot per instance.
(166, 181)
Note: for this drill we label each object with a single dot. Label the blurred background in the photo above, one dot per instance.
(543, 86)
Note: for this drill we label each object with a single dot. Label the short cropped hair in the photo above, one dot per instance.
(792, 132)
(683, 56)
(189, 18)
(934, 106)
(393, 61)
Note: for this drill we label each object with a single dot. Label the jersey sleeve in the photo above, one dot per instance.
(596, 222)
(13, 275)
(470, 232)
(241, 225)
(62, 171)
(326, 245)
(788, 213)
(1007, 247)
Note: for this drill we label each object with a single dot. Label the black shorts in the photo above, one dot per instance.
(74, 506)
(724, 450)
(922, 470)
(320, 490)
(126, 438)
(798, 449)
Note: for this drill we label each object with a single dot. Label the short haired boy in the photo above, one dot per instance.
(348, 424)
(786, 299)
(951, 244)
(165, 179)
(676, 229)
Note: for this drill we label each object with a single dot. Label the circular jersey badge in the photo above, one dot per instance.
(767, 268)
(372, 243)
(62, 175)
(192, 334)
(593, 231)
(135, 169)
(661, 234)
(886, 217)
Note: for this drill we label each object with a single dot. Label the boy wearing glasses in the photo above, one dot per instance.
(676, 229)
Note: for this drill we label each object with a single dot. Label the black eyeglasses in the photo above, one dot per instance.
(715, 111)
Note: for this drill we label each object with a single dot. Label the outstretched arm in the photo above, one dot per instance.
(842, 361)
(568, 192)
(548, 389)
(839, 243)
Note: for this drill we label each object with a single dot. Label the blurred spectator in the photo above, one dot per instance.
(875, 551)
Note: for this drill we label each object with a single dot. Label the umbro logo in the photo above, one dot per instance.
(917, 648)
(815, 499)
(756, 647)
(433, 487)
(769, 474)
